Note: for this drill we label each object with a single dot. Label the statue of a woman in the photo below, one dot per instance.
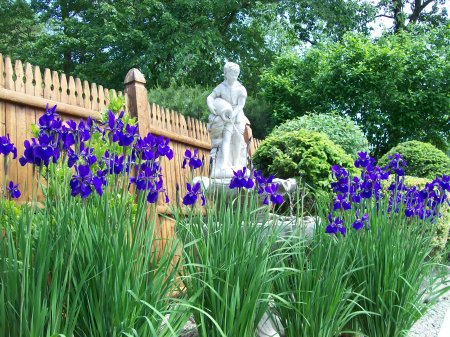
(227, 124)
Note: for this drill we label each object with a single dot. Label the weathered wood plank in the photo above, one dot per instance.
(30, 119)
(40, 103)
(86, 96)
(64, 87)
(21, 127)
(94, 94)
(79, 92)
(72, 91)
(56, 85)
(101, 98)
(47, 84)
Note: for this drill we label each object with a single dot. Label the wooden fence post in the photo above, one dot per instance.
(137, 100)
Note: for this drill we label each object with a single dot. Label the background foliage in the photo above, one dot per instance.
(396, 88)
(384, 85)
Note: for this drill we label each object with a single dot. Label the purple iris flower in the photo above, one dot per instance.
(72, 157)
(28, 154)
(193, 192)
(145, 148)
(341, 202)
(76, 133)
(192, 159)
(13, 190)
(443, 182)
(147, 175)
(397, 164)
(87, 154)
(6, 147)
(126, 138)
(39, 153)
(361, 222)
(154, 190)
(240, 181)
(114, 125)
(50, 122)
(364, 161)
(335, 225)
(99, 180)
(65, 138)
(114, 163)
(46, 149)
(164, 148)
(342, 177)
(272, 195)
(81, 182)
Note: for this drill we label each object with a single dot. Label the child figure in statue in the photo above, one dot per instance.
(227, 124)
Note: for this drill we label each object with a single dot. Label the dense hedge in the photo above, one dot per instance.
(423, 159)
(341, 130)
(302, 153)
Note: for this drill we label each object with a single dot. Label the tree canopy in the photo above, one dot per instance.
(172, 41)
(179, 44)
(396, 88)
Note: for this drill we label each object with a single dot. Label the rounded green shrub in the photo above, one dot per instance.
(341, 130)
(301, 153)
(424, 160)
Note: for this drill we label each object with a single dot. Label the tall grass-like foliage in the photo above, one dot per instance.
(87, 263)
(226, 262)
(394, 265)
(313, 293)
(389, 233)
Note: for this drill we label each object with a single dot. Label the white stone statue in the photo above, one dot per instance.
(227, 124)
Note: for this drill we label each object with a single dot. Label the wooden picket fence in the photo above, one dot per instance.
(25, 92)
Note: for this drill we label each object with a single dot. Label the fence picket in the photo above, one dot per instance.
(10, 117)
(79, 92)
(86, 95)
(94, 94)
(56, 93)
(21, 123)
(2, 69)
(183, 125)
(107, 97)
(101, 98)
(30, 119)
(47, 84)
(38, 89)
(72, 91)
(158, 122)
(64, 96)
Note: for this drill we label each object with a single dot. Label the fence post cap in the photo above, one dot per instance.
(134, 75)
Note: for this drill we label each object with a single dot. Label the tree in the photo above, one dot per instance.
(170, 41)
(179, 40)
(405, 12)
(396, 88)
(314, 21)
(19, 28)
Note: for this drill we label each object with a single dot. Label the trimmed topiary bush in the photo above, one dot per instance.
(302, 153)
(341, 130)
(424, 160)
